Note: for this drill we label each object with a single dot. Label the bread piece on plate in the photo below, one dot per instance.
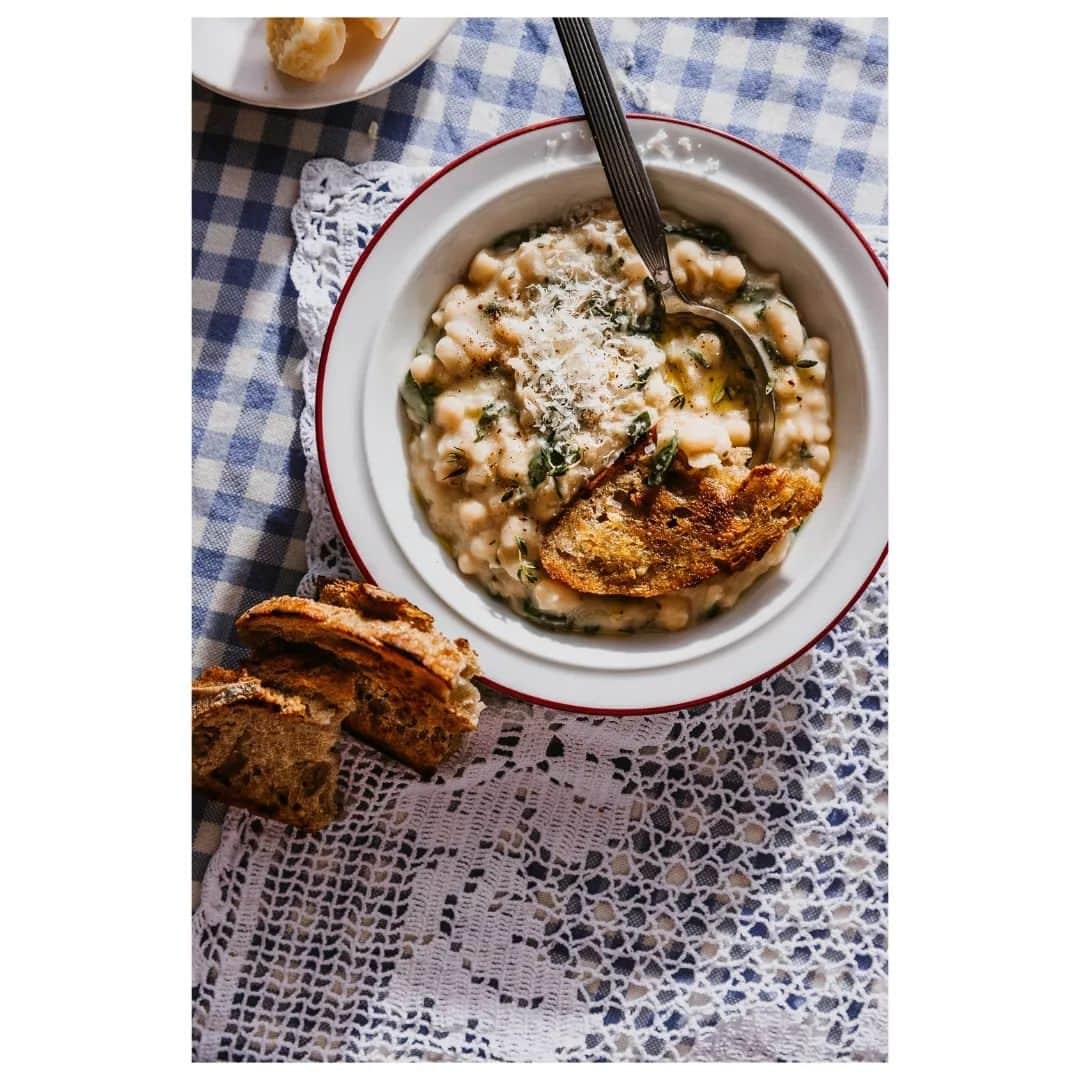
(625, 536)
(378, 27)
(383, 636)
(271, 752)
(305, 48)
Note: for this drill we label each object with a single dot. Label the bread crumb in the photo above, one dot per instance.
(305, 48)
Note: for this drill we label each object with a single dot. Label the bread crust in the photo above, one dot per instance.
(268, 751)
(624, 537)
(265, 736)
(410, 728)
(377, 632)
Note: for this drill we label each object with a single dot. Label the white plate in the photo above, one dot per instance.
(532, 175)
(230, 57)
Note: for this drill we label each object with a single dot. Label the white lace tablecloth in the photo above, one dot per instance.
(708, 884)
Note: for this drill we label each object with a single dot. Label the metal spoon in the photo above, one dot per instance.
(636, 201)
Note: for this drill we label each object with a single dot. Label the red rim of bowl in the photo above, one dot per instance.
(326, 350)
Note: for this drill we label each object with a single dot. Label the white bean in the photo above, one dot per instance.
(784, 326)
(709, 346)
(530, 263)
(554, 597)
(674, 612)
(471, 513)
(703, 434)
(690, 265)
(513, 462)
(422, 367)
(634, 269)
(452, 356)
(482, 547)
(483, 267)
(729, 272)
(738, 429)
(449, 411)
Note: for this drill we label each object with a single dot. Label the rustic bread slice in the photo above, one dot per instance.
(768, 504)
(625, 537)
(409, 727)
(265, 737)
(385, 637)
(271, 752)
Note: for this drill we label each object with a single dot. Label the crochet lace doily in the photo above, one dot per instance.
(709, 884)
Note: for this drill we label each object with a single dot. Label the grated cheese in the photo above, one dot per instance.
(570, 371)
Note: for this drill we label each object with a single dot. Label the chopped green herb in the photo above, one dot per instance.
(641, 377)
(562, 459)
(418, 398)
(547, 617)
(805, 362)
(698, 359)
(662, 461)
(712, 236)
(678, 399)
(488, 415)
(538, 468)
(456, 457)
(552, 460)
(719, 394)
(639, 426)
(494, 309)
(508, 495)
(653, 323)
(517, 237)
(774, 353)
(748, 293)
(526, 570)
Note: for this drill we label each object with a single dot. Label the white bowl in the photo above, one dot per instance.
(534, 175)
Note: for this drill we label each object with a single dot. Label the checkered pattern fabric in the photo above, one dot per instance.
(811, 91)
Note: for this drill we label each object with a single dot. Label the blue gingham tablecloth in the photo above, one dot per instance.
(812, 91)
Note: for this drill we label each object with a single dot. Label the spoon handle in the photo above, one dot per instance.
(630, 186)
